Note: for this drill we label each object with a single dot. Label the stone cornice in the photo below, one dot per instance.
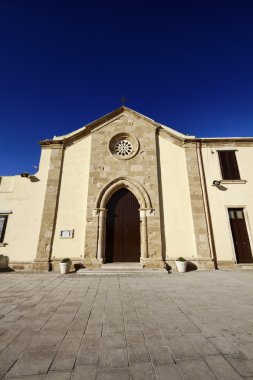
(170, 136)
(223, 141)
(104, 120)
(52, 144)
(174, 136)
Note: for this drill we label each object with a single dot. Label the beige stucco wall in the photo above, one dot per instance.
(233, 195)
(73, 200)
(24, 197)
(165, 181)
(178, 224)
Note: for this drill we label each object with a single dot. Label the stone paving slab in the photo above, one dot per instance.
(197, 325)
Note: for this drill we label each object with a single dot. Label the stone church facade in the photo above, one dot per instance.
(125, 188)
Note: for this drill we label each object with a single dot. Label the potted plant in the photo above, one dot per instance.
(65, 265)
(181, 264)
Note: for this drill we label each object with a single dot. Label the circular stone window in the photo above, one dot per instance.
(123, 146)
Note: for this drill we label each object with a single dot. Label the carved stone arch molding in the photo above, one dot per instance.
(145, 210)
(135, 187)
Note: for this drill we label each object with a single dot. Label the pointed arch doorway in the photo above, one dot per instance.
(122, 228)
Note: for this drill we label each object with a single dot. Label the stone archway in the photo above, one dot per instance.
(101, 210)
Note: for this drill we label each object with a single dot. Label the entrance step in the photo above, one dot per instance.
(245, 266)
(121, 269)
(233, 266)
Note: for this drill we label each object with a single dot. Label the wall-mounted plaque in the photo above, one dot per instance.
(66, 234)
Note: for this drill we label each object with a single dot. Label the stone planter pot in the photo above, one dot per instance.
(65, 267)
(181, 266)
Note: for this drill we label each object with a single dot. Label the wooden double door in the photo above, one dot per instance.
(122, 228)
(240, 235)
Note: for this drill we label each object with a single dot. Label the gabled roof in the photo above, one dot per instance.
(171, 133)
(102, 121)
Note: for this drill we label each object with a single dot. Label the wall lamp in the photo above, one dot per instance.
(216, 183)
(25, 175)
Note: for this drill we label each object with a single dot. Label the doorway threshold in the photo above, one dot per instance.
(122, 266)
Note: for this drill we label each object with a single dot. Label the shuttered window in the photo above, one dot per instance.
(3, 222)
(228, 163)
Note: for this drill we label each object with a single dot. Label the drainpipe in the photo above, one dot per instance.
(206, 204)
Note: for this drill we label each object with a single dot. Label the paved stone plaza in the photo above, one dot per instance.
(197, 326)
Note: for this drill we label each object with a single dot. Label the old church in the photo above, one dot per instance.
(126, 188)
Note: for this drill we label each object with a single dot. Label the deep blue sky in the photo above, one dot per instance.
(186, 64)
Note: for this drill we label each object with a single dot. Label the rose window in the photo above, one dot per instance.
(123, 148)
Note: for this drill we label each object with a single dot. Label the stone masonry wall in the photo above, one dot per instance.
(105, 168)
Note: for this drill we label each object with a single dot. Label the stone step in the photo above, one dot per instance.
(121, 272)
(132, 264)
(246, 266)
(121, 267)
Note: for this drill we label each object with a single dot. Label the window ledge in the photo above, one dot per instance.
(239, 181)
(3, 244)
